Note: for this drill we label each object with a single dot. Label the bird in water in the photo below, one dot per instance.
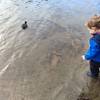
(24, 26)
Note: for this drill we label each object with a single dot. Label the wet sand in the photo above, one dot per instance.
(44, 62)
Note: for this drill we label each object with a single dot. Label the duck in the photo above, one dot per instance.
(24, 26)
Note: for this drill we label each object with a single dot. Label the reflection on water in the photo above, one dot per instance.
(43, 62)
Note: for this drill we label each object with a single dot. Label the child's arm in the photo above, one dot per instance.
(92, 51)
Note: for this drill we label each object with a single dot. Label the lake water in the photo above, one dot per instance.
(43, 62)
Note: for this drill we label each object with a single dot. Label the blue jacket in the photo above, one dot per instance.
(93, 52)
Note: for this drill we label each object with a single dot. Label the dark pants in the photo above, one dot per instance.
(94, 68)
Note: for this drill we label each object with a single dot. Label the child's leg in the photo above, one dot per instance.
(94, 68)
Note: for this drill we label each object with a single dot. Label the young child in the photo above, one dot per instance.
(93, 52)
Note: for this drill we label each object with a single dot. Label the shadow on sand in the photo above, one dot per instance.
(92, 91)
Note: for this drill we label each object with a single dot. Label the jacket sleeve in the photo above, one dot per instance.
(92, 50)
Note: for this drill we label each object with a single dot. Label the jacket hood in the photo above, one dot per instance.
(96, 38)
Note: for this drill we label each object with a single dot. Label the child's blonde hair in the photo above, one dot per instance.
(93, 22)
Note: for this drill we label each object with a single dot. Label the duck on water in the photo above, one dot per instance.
(24, 26)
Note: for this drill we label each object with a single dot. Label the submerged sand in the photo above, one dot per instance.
(44, 62)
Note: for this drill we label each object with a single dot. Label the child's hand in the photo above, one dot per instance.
(83, 57)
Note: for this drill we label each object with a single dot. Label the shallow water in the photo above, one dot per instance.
(43, 62)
